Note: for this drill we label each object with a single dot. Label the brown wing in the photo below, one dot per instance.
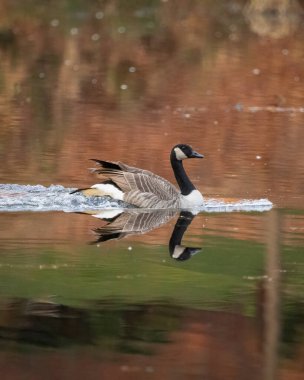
(133, 222)
(138, 184)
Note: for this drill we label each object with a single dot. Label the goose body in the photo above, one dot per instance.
(122, 223)
(131, 222)
(145, 189)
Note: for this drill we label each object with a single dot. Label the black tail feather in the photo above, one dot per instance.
(107, 237)
(78, 190)
(107, 164)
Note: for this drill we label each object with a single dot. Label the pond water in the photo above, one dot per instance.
(213, 294)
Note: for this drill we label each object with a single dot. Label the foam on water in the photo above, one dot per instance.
(58, 198)
(53, 198)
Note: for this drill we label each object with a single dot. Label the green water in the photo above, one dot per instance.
(125, 81)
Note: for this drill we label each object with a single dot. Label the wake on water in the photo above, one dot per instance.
(58, 198)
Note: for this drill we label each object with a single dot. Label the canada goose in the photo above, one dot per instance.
(131, 222)
(121, 224)
(145, 189)
(177, 251)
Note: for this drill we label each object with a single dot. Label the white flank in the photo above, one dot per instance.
(108, 214)
(180, 155)
(111, 190)
(193, 199)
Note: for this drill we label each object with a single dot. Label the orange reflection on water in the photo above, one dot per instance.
(130, 94)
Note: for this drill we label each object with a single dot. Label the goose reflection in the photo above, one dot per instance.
(178, 251)
(122, 223)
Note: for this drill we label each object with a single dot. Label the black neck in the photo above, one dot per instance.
(184, 183)
(182, 223)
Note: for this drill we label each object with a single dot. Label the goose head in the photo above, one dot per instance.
(183, 151)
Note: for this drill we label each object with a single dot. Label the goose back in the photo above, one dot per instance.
(141, 187)
(133, 222)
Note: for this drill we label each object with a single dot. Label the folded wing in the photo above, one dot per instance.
(141, 187)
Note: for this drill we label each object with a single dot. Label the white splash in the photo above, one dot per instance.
(53, 198)
(216, 205)
(58, 198)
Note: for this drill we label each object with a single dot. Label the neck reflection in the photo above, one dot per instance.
(122, 223)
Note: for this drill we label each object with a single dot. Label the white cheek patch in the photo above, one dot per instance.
(178, 250)
(180, 155)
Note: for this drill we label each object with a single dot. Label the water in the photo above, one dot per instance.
(217, 293)
(57, 198)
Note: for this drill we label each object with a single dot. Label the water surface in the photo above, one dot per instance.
(119, 81)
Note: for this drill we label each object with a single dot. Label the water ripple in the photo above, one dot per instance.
(15, 197)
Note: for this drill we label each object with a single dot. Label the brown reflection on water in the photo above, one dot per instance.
(128, 83)
(119, 341)
(77, 228)
(272, 302)
(157, 340)
(174, 342)
(70, 230)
